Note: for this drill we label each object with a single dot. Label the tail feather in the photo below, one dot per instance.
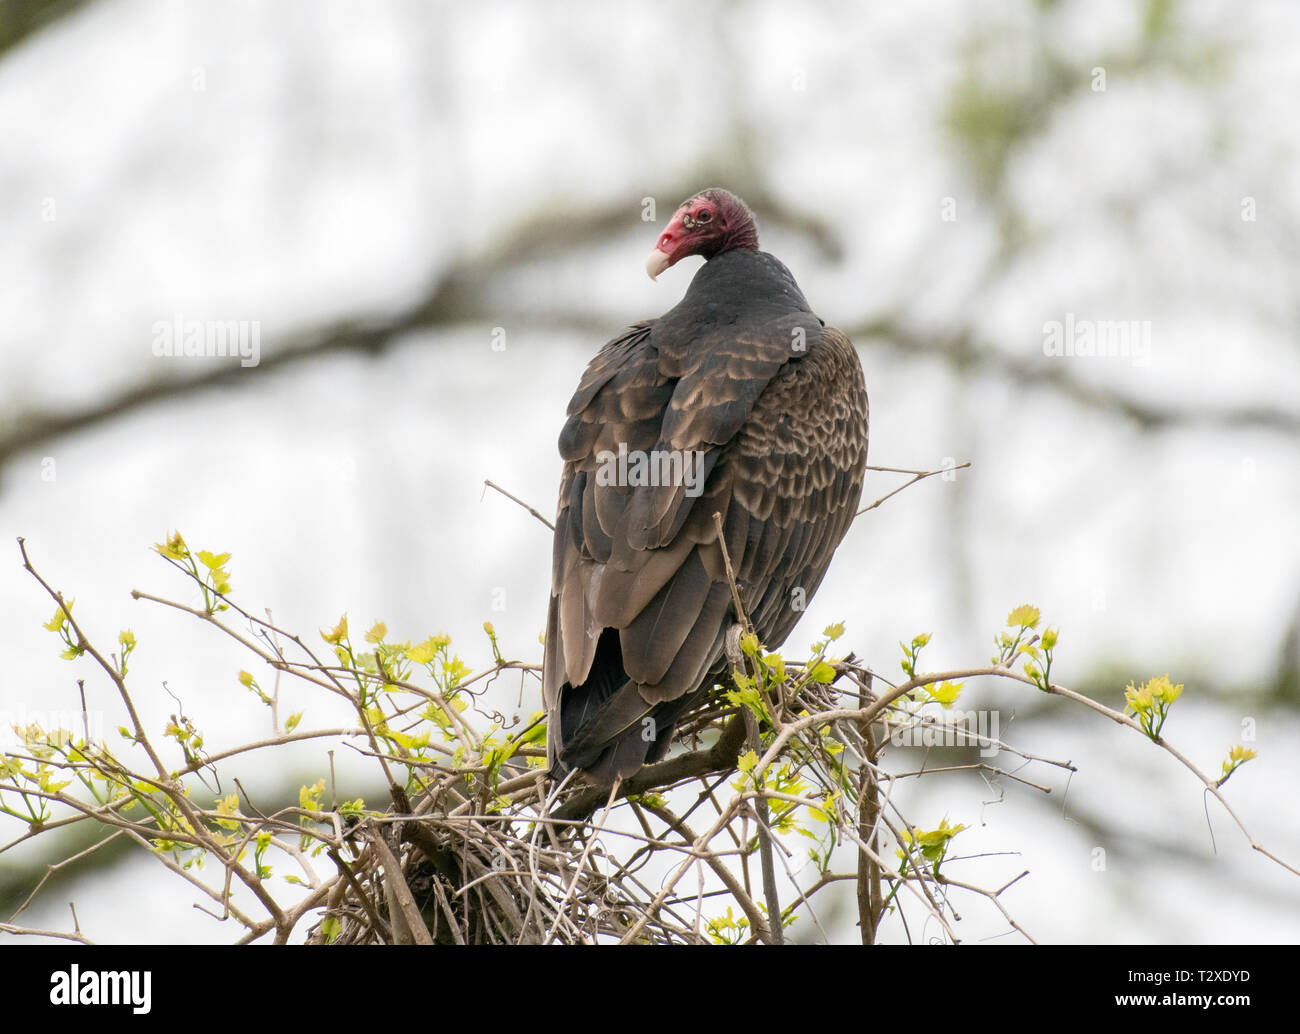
(621, 716)
(601, 722)
(606, 726)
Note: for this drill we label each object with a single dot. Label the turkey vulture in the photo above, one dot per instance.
(738, 401)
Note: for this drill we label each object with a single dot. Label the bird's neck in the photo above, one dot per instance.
(747, 282)
(743, 237)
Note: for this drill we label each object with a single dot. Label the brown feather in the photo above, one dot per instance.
(637, 568)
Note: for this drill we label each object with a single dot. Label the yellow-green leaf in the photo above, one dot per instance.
(55, 623)
(174, 548)
(946, 692)
(823, 672)
(1024, 616)
(338, 633)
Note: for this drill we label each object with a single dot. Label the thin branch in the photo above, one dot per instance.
(516, 499)
(917, 475)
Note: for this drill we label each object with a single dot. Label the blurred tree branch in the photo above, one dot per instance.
(458, 296)
(964, 351)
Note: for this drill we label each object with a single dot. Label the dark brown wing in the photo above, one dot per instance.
(794, 476)
(640, 604)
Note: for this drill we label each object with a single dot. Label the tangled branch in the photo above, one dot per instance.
(786, 766)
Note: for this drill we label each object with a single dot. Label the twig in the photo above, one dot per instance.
(917, 475)
(776, 931)
(516, 499)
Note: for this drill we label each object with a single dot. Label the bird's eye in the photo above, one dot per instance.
(703, 216)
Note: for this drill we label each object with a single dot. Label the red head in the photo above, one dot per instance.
(711, 222)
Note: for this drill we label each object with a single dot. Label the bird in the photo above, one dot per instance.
(739, 401)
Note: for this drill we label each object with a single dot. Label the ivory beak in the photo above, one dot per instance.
(657, 263)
